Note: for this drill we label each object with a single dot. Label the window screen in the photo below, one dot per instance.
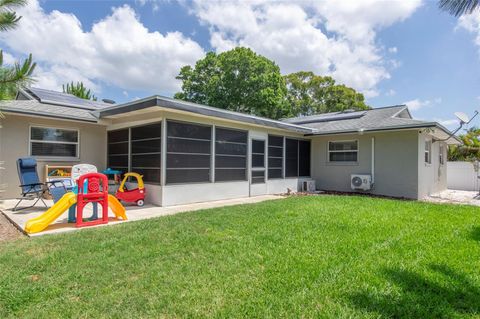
(46, 141)
(258, 161)
(343, 151)
(304, 158)
(146, 149)
(275, 156)
(188, 152)
(291, 157)
(118, 149)
(230, 155)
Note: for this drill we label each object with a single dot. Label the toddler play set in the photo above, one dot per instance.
(89, 187)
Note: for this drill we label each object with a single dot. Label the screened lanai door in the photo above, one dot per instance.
(258, 184)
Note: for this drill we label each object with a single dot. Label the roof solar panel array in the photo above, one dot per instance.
(47, 96)
(328, 117)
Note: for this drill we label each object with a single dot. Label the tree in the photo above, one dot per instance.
(79, 90)
(238, 80)
(311, 94)
(12, 77)
(458, 8)
(470, 148)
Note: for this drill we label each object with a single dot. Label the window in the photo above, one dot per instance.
(146, 144)
(53, 142)
(188, 152)
(303, 158)
(275, 157)
(428, 152)
(258, 161)
(117, 143)
(291, 158)
(230, 155)
(343, 151)
(297, 158)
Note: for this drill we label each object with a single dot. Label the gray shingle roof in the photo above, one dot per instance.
(174, 104)
(370, 120)
(33, 107)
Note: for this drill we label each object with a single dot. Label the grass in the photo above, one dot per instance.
(318, 256)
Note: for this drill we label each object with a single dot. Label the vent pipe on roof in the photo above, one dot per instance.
(108, 101)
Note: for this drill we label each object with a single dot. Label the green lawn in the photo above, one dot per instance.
(316, 256)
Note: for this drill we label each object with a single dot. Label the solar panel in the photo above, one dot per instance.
(65, 98)
(331, 117)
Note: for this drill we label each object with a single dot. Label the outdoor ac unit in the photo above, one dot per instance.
(361, 182)
(309, 186)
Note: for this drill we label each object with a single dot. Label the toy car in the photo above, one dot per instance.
(136, 195)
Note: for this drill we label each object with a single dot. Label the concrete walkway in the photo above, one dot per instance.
(452, 196)
(134, 213)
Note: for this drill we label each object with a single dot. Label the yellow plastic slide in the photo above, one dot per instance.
(116, 207)
(41, 222)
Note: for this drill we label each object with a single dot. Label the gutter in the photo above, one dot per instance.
(6, 111)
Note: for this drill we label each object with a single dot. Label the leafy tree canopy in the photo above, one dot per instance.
(79, 90)
(470, 148)
(311, 94)
(238, 80)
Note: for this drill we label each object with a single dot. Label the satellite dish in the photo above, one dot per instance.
(462, 117)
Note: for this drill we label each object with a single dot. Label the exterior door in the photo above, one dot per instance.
(258, 168)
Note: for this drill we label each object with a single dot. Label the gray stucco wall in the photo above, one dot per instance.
(14, 139)
(396, 163)
(432, 178)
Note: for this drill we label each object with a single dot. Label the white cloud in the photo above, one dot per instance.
(393, 50)
(118, 50)
(291, 34)
(390, 92)
(471, 23)
(8, 59)
(416, 104)
(447, 123)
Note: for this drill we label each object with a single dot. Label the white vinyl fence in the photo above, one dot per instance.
(462, 176)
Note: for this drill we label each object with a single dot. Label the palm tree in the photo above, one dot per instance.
(8, 18)
(12, 77)
(458, 8)
(79, 90)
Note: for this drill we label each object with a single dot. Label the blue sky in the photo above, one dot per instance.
(392, 51)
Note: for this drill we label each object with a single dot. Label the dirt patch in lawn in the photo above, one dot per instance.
(7, 230)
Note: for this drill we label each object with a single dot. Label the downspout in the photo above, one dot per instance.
(373, 162)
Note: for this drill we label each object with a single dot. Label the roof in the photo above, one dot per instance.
(394, 117)
(34, 107)
(60, 98)
(169, 103)
(53, 104)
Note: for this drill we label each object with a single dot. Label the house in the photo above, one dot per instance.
(192, 153)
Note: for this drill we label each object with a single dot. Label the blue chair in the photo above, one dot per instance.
(32, 188)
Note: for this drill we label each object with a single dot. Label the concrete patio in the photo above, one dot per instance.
(134, 213)
(452, 196)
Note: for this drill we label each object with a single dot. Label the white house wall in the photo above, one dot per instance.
(395, 163)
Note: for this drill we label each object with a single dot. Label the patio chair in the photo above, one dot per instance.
(31, 187)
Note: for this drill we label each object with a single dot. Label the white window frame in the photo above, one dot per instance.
(342, 151)
(62, 158)
(427, 150)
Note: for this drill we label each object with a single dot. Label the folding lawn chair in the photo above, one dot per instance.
(32, 188)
